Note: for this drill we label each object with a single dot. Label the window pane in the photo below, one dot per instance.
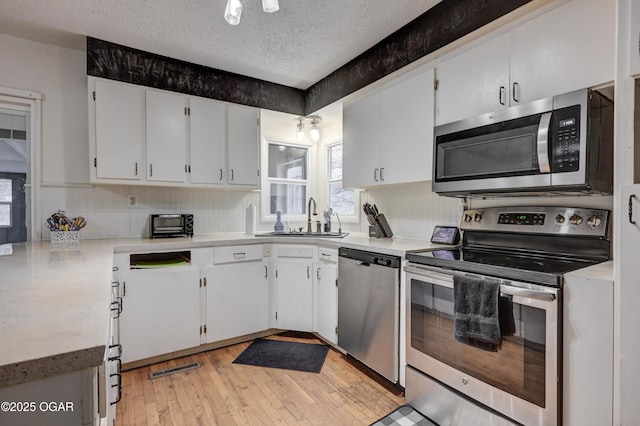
(287, 197)
(343, 201)
(5, 190)
(287, 162)
(335, 162)
(5, 215)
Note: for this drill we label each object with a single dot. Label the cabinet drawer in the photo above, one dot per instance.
(327, 255)
(300, 252)
(237, 253)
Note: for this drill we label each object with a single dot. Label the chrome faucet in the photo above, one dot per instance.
(315, 213)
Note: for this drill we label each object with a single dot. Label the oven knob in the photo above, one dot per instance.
(575, 219)
(560, 219)
(594, 221)
(467, 218)
(477, 217)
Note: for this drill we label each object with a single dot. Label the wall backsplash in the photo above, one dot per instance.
(412, 210)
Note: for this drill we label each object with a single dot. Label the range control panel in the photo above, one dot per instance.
(538, 220)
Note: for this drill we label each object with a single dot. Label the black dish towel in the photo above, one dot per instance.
(476, 316)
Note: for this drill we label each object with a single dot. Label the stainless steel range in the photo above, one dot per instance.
(524, 253)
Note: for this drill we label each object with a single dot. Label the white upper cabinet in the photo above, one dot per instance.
(634, 45)
(567, 48)
(388, 135)
(208, 126)
(166, 137)
(189, 141)
(243, 146)
(474, 81)
(117, 130)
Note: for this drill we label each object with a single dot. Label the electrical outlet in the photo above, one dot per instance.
(132, 200)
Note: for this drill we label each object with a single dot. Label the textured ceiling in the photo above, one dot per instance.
(297, 46)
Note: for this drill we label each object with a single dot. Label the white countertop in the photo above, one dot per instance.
(54, 305)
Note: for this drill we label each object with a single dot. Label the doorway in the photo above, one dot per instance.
(14, 165)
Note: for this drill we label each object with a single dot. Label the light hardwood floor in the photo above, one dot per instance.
(223, 393)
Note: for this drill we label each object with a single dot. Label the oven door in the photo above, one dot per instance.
(521, 379)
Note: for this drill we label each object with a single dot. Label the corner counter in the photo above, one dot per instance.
(54, 305)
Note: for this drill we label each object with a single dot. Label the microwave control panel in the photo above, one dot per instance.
(565, 140)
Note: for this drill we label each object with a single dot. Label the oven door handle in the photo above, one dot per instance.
(543, 143)
(445, 279)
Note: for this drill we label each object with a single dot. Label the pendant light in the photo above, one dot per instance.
(300, 132)
(314, 133)
(270, 6)
(233, 12)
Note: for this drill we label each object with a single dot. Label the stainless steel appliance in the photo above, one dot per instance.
(170, 225)
(558, 144)
(528, 250)
(369, 309)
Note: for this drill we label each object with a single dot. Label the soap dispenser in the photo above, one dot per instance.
(278, 227)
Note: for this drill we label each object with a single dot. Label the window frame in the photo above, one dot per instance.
(309, 183)
(350, 218)
(10, 204)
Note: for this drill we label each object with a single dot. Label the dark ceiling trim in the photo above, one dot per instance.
(122, 63)
(444, 23)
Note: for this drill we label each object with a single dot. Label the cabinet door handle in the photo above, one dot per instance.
(308, 272)
(117, 308)
(318, 273)
(382, 173)
(231, 174)
(514, 92)
(150, 170)
(119, 385)
(119, 347)
(375, 175)
(631, 197)
(136, 168)
(266, 271)
(220, 174)
(501, 95)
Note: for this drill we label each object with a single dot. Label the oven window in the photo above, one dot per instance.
(518, 367)
(168, 223)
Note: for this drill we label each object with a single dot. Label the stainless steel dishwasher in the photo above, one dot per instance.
(369, 309)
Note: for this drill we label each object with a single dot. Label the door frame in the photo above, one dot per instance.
(30, 102)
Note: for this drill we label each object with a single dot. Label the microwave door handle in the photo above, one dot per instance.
(543, 143)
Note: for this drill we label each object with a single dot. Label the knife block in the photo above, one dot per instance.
(381, 229)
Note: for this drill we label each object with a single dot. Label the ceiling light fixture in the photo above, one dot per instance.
(233, 11)
(270, 6)
(314, 132)
(300, 132)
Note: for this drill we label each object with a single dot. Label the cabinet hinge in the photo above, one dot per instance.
(95, 161)
(94, 95)
(435, 84)
(336, 330)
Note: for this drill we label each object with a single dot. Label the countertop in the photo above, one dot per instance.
(54, 305)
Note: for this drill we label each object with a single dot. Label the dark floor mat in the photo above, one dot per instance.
(307, 357)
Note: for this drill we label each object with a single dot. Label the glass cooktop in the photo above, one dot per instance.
(502, 264)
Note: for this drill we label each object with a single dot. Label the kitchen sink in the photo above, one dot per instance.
(304, 234)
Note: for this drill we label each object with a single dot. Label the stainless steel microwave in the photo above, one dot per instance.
(170, 225)
(562, 144)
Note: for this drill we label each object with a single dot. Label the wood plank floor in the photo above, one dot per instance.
(223, 393)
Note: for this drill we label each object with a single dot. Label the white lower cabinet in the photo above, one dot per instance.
(293, 288)
(326, 295)
(160, 311)
(237, 299)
